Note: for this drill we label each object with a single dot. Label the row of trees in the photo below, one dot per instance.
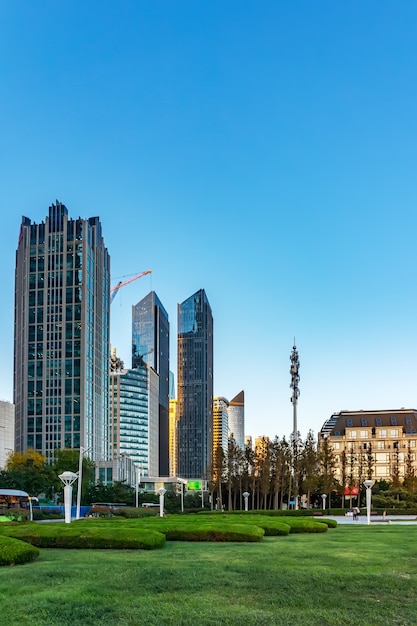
(277, 474)
(280, 472)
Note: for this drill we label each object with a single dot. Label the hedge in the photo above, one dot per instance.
(79, 536)
(15, 552)
(233, 532)
(307, 526)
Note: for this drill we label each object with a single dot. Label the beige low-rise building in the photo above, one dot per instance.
(372, 444)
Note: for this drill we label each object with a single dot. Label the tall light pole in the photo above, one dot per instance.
(68, 478)
(161, 492)
(295, 379)
(137, 485)
(80, 477)
(368, 484)
(246, 495)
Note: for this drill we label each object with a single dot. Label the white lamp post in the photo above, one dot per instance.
(80, 479)
(137, 485)
(323, 497)
(246, 495)
(368, 484)
(181, 482)
(30, 509)
(68, 478)
(161, 492)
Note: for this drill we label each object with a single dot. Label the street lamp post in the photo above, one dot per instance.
(246, 495)
(68, 478)
(161, 492)
(368, 485)
(137, 485)
(323, 497)
(30, 509)
(80, 478)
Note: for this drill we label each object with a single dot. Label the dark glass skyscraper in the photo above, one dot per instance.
(150, 344)
(61, 335)
(195, 386)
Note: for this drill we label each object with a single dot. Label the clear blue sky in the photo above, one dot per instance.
(264, 151)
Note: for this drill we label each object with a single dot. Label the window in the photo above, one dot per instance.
(364, 422)
(336, 445)
(408, 421)
(412, 443)
(349, 423)
(353, 434)
(393, 421)
(378, 421)
(380, 445)
(363, 434)
(382, 432)
(394, 432)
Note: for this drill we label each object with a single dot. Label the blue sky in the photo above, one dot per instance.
(264, 151)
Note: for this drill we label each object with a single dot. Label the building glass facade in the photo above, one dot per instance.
(134, 417)
(61, 335)
(236, 413)
(220, 424)
(150, 344)
(195, 386)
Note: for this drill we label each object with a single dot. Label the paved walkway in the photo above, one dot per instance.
(375, 519)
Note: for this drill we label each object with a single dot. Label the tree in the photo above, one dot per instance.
(309, 465)
(409, 473)
(28, 471)
(119, 492)
(370, 461)
(327, 463)
(232, 467)
(69, 459)
(218, 470)
(343, 467)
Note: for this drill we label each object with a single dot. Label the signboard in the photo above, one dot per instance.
(351, 491)
(194, 485)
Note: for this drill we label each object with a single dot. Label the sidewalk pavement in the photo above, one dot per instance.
(375, 519)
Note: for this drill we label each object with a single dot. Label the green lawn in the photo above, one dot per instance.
(350, 575)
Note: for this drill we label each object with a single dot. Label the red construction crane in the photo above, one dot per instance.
(122, 283)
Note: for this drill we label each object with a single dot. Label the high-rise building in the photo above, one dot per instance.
(134, 418)
(61, 335)
(236, 411)
(220, 424)
(173, 437)
(195, 386)
(6, 431)
(377, 444)
(150, 344)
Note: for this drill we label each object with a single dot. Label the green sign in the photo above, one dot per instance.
(194, 485)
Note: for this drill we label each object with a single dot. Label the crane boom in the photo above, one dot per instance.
(122, 283)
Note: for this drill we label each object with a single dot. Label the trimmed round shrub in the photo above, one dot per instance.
(78, 535)
(214, 532)
(273, 527)
(15, 552)
(306, 526)
(135, 513)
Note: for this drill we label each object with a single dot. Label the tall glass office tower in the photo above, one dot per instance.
(61, 335)
(134, 417)
(236, 411)
(150, 344)
(195, 386)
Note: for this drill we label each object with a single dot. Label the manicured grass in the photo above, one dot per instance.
(350, 575)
